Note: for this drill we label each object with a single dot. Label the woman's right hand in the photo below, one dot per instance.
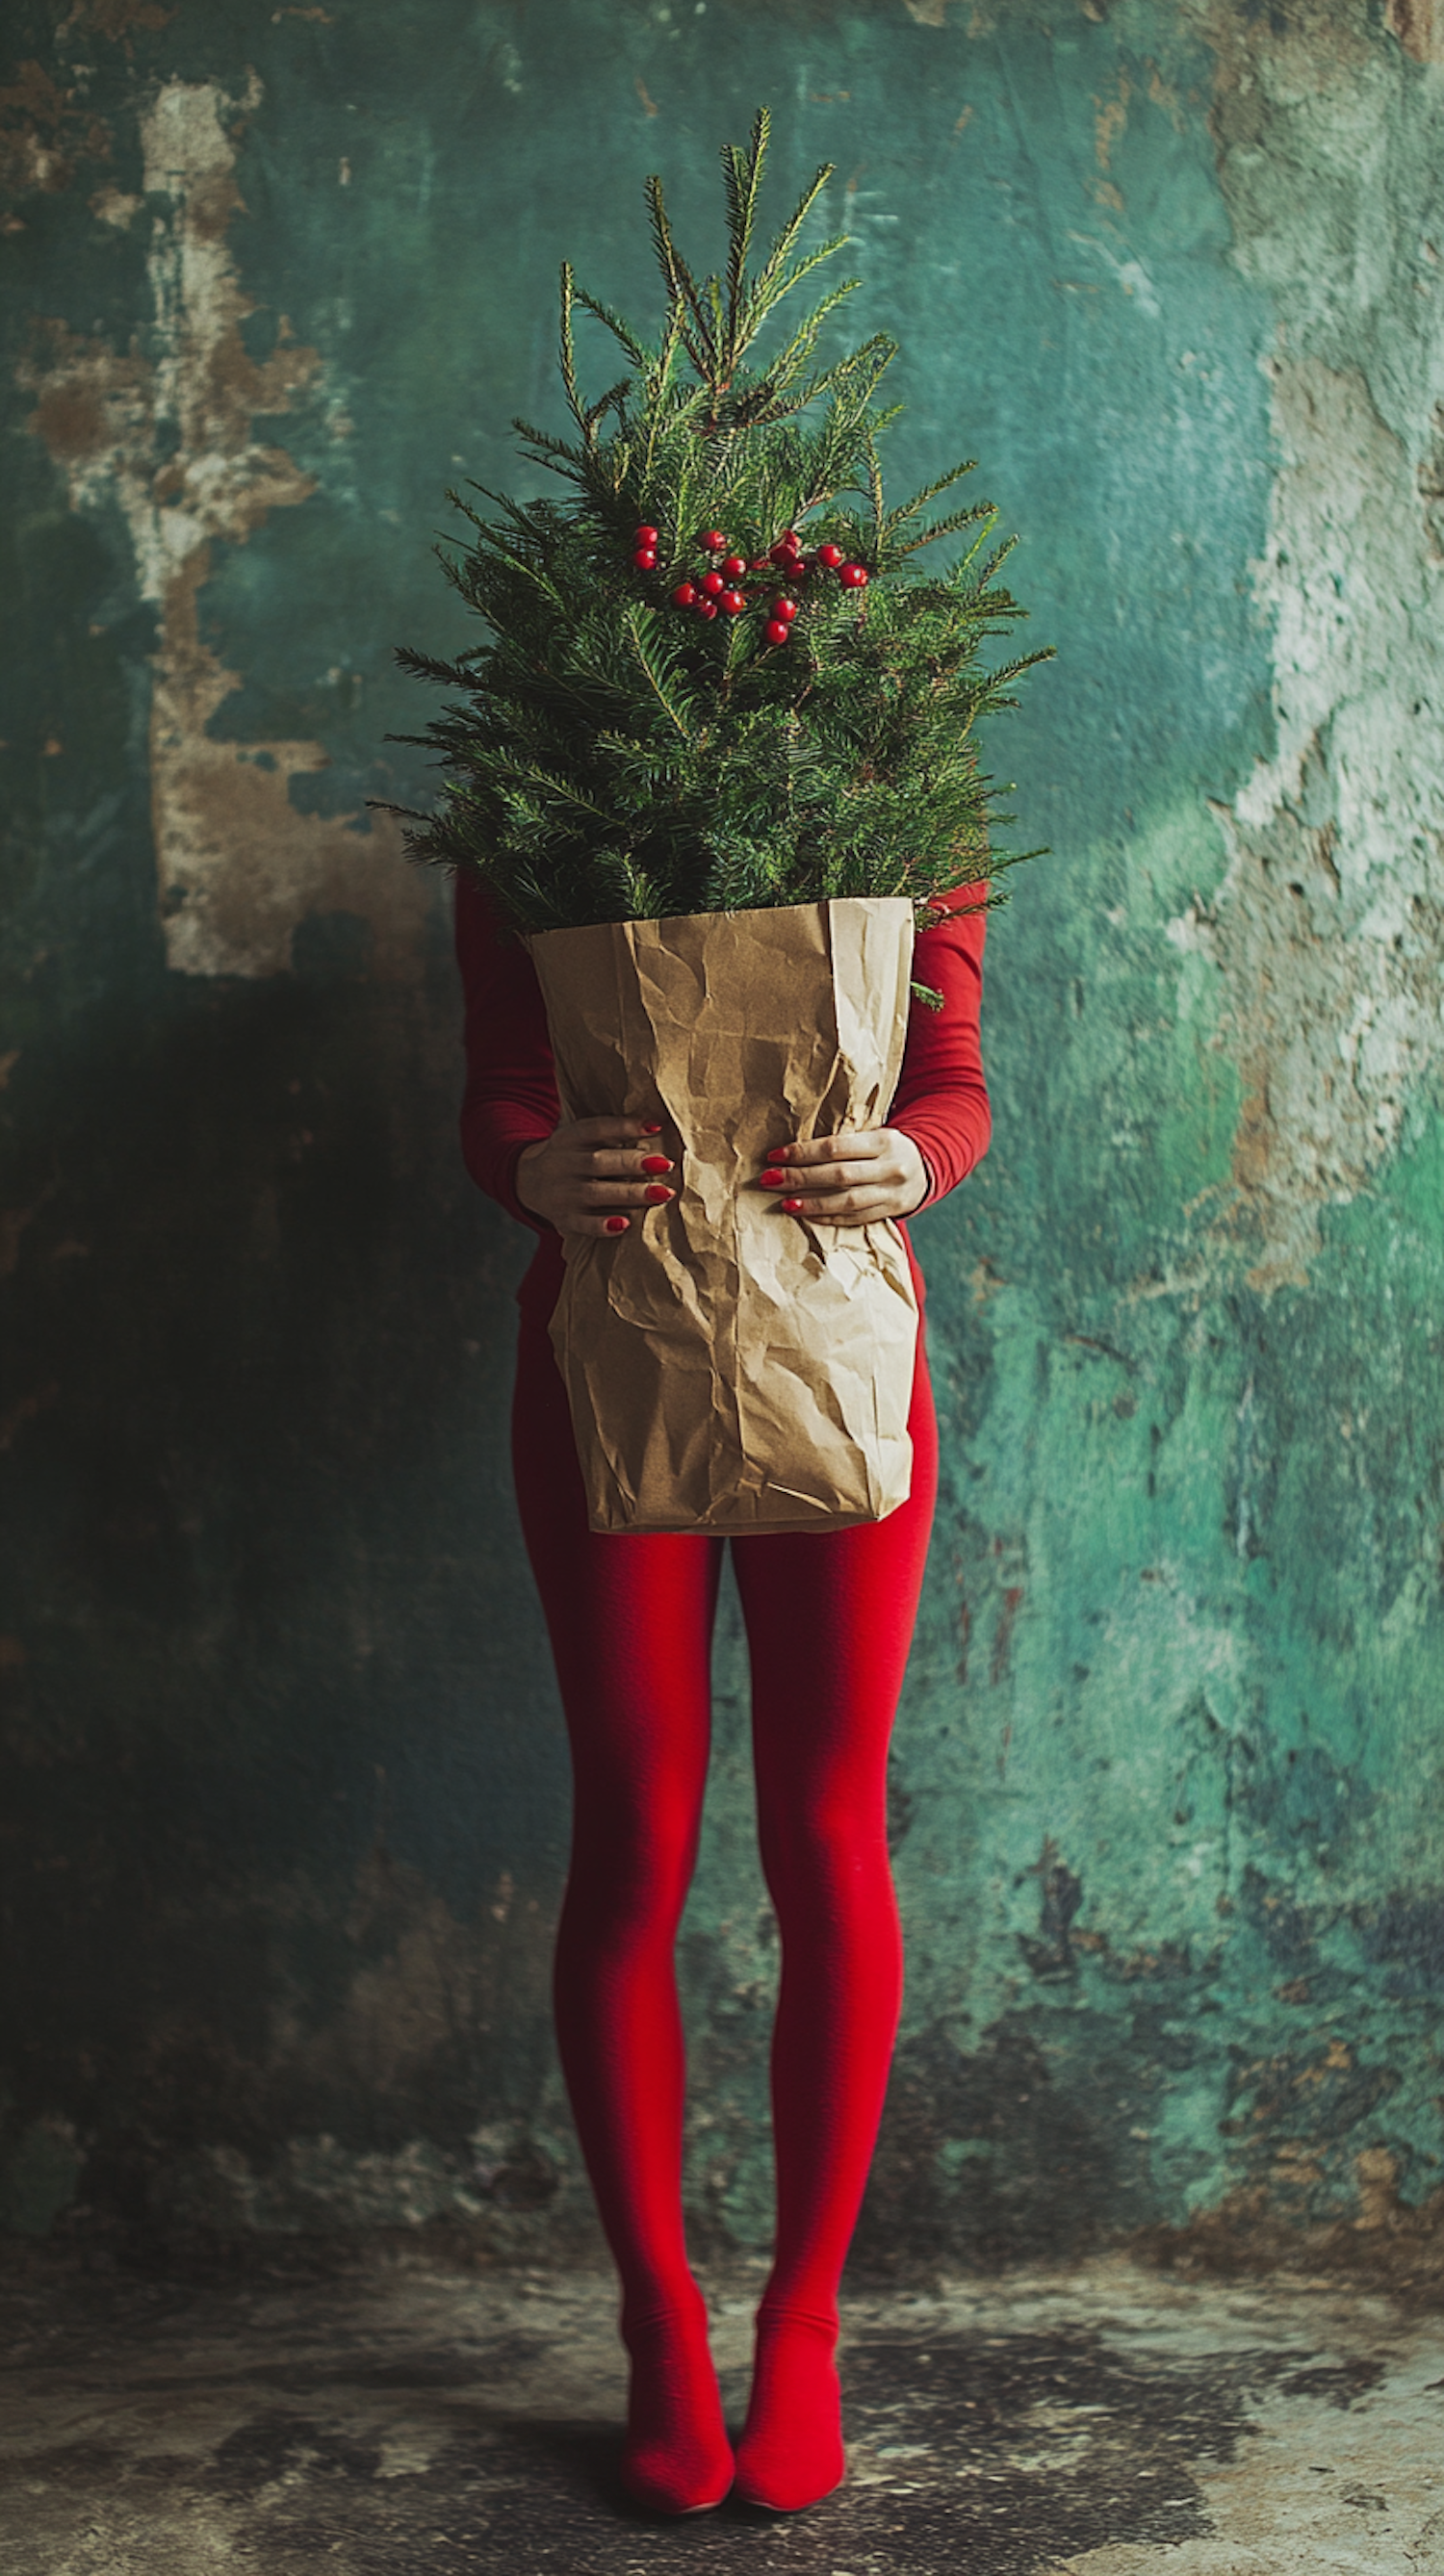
(588, 1172)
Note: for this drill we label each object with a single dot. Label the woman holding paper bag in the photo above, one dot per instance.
(829, 1618)
(714, 759)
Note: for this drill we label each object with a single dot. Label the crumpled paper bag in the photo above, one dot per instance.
(728, 1367)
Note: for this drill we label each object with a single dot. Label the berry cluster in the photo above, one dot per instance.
(717, 591)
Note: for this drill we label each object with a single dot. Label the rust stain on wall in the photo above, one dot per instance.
(118, 19)
(1419, 26)
(1110, 121)
(442, 1987)
(44, 131)
(172, 440)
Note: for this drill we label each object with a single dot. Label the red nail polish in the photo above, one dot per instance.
(656, 1195)
(651, 1131)
(616, 1225)
(655, 1163)
(772, 1181)
(779, 1153)
(791, 1206)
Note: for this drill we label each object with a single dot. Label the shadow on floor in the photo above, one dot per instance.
(411, 2422)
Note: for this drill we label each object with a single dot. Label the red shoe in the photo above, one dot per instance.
(791, 2454)
(676, 2458)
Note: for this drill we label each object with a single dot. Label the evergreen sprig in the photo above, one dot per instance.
(610, 756)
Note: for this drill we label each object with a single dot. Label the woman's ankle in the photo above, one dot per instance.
(783, 2316)
(791, 2451)
(680, 2311)
(677, 2458)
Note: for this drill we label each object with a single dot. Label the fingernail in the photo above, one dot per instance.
(779, 1153)
(655, 1163)
(651, 1131)
(772, 1180)
(656, 1194)
(616, 1225)
(791, 1206)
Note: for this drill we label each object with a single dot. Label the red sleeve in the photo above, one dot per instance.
(942, 1098)
(511, 1094)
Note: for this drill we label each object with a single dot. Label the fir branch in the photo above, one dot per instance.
(948, 526)
(546, 449)
(768, 287)
(784, 367)
(742, 181)
(612, 400)
(875, 490)
(658, 387)
(908, 509)
(446, 675)
(682, 292)
(659, 667)
(530, 774)
(637, 350)
(567, 357)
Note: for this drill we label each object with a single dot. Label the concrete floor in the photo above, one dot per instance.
(1102, 2421)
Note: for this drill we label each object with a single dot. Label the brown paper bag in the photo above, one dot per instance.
(728, 1367)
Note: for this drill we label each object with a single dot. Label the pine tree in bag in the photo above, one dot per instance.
(714, 758)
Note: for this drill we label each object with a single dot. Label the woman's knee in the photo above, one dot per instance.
(825, 1842)
(631, 1864)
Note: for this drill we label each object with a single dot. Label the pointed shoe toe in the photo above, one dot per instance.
(659, 2491)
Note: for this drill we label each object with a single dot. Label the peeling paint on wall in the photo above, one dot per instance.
(171, 440)
(1328, 930)
(1419, 26)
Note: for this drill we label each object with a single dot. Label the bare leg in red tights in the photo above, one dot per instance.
(829, 1620)
(829, 1623)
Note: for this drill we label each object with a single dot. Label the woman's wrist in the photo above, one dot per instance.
(524, 1156)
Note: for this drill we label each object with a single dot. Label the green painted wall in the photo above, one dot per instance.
(285, 1804)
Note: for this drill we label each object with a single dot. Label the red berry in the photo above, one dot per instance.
(684, 596)
(759, 563)
(776, 632)
(706, 607)
(829, 555)
(733, 602)
(644, 559)
(714, 541)
(735, 566)
(784, 610)
(645, 537)
(853, 576)
(713, 584)
(784, 552)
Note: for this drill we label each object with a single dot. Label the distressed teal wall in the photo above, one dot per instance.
(285, 1806)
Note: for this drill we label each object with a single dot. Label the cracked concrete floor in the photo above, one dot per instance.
(1102, 2421)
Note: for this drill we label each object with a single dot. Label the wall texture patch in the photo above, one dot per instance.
(1328, 930)
(170, 437)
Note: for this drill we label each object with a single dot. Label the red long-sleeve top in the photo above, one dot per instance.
(511, 1097)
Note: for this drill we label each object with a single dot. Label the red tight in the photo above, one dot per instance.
(829, 1621)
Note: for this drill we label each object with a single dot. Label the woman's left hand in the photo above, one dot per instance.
(856, 1179)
